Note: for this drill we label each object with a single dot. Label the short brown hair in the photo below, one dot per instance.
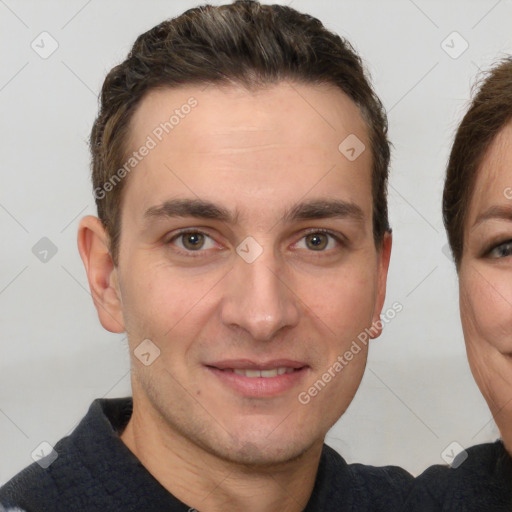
(489, 112)
(243, 43)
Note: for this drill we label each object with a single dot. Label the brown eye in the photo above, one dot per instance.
(317, 241)
(192, 241)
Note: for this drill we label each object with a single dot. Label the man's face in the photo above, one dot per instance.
(222, 308)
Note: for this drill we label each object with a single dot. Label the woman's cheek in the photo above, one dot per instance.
(486, 313)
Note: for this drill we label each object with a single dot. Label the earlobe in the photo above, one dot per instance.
(101, 273)
(383, 256)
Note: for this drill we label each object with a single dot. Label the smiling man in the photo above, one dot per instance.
(240, 163)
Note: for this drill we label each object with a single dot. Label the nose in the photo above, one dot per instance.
(259, 300)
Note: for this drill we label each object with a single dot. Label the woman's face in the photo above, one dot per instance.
(485, 281)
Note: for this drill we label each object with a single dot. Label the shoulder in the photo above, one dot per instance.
(387, 486)
(479, 479)
(341, 486)
(365, 476)
(28, 489)
(65, 478)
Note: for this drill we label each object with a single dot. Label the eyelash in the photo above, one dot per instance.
(195, 254)
(495, 246)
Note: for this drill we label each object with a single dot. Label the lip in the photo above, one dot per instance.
(249, 364)
(262, 387)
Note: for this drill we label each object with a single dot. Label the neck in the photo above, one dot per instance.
(207, 483)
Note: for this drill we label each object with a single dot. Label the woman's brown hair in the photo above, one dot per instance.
(489, 112)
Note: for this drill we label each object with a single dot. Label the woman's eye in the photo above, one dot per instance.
(319, 241)
(501, 251)
(193, 241)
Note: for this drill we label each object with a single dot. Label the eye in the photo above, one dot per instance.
(502, 250)
(319, 241)
(192, 241)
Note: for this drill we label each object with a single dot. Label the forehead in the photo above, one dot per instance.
(247, 145)
(325, 112)
(494, 175)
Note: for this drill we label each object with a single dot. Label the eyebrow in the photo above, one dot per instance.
(494, 212)
(324, 209)
(200, 208)
(190, 208)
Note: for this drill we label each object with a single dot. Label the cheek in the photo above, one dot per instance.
(344, 301)
(160, 302)
(486, 310)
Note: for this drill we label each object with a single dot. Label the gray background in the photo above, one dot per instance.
(417, 396)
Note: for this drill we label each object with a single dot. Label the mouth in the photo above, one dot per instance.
(261, 373)
(259, 379)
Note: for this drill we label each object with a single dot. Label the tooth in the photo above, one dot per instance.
(262, 373)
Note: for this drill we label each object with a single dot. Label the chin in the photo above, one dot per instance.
(240, 437)
(271, 439)
(261, 453)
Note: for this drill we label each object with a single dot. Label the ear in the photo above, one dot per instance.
(383, 255)
(93, 245)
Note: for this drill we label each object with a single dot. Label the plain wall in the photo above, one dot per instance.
(417, 395)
